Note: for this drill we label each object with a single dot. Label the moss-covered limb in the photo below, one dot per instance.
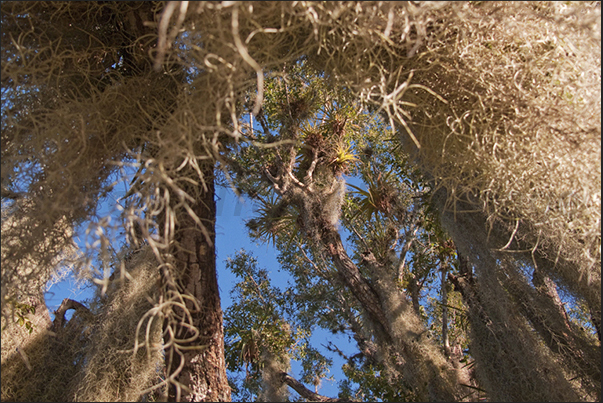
(542, 307)
(354, 280)
(493, 369)
(426, 367)
(305, 392)
(273, 388)
(509, 365)
(67, 304)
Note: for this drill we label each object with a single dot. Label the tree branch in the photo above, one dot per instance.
(9, 194)
(67, 304)
(354, 280)
(262, 119)
(305, 392)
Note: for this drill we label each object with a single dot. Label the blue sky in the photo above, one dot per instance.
(231, 236)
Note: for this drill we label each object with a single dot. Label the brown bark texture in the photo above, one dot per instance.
(352, 277)
(59, 318)
(202, 359)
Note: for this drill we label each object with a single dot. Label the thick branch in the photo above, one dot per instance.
(305, 392)
(308, 177)
(407, 245)
(67, 304)
(352, 277)
(9, 194)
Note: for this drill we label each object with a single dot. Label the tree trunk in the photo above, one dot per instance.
(203, 369)
(354, 280)
(396, 326)
(509, 363)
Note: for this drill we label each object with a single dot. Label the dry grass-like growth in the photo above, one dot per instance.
(41, 366)
(33, 256)
(498, 102)
(521, 130)
(124, 354)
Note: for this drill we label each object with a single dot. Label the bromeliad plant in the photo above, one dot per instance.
(274, 220)
(377, 198)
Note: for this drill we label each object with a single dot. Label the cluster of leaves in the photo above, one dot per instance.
(254, 322)
(368, 382)
(21, 311)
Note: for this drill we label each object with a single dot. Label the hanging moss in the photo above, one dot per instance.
(498, 103)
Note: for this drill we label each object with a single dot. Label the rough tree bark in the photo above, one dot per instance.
(59, 314)
(204, 368)
(354, 280)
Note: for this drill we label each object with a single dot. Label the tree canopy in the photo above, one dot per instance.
(429, 173)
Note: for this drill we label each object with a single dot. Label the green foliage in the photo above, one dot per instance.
(292, 95)
(273, 219)
(315, 366)
(254, 322)
(478, 121)
(265, 318)
(369, 382)
(21, 312)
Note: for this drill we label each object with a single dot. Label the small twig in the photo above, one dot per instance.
(257, 286)
(360, 237)
(25, 359)
(310, 172)
(318, 269)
